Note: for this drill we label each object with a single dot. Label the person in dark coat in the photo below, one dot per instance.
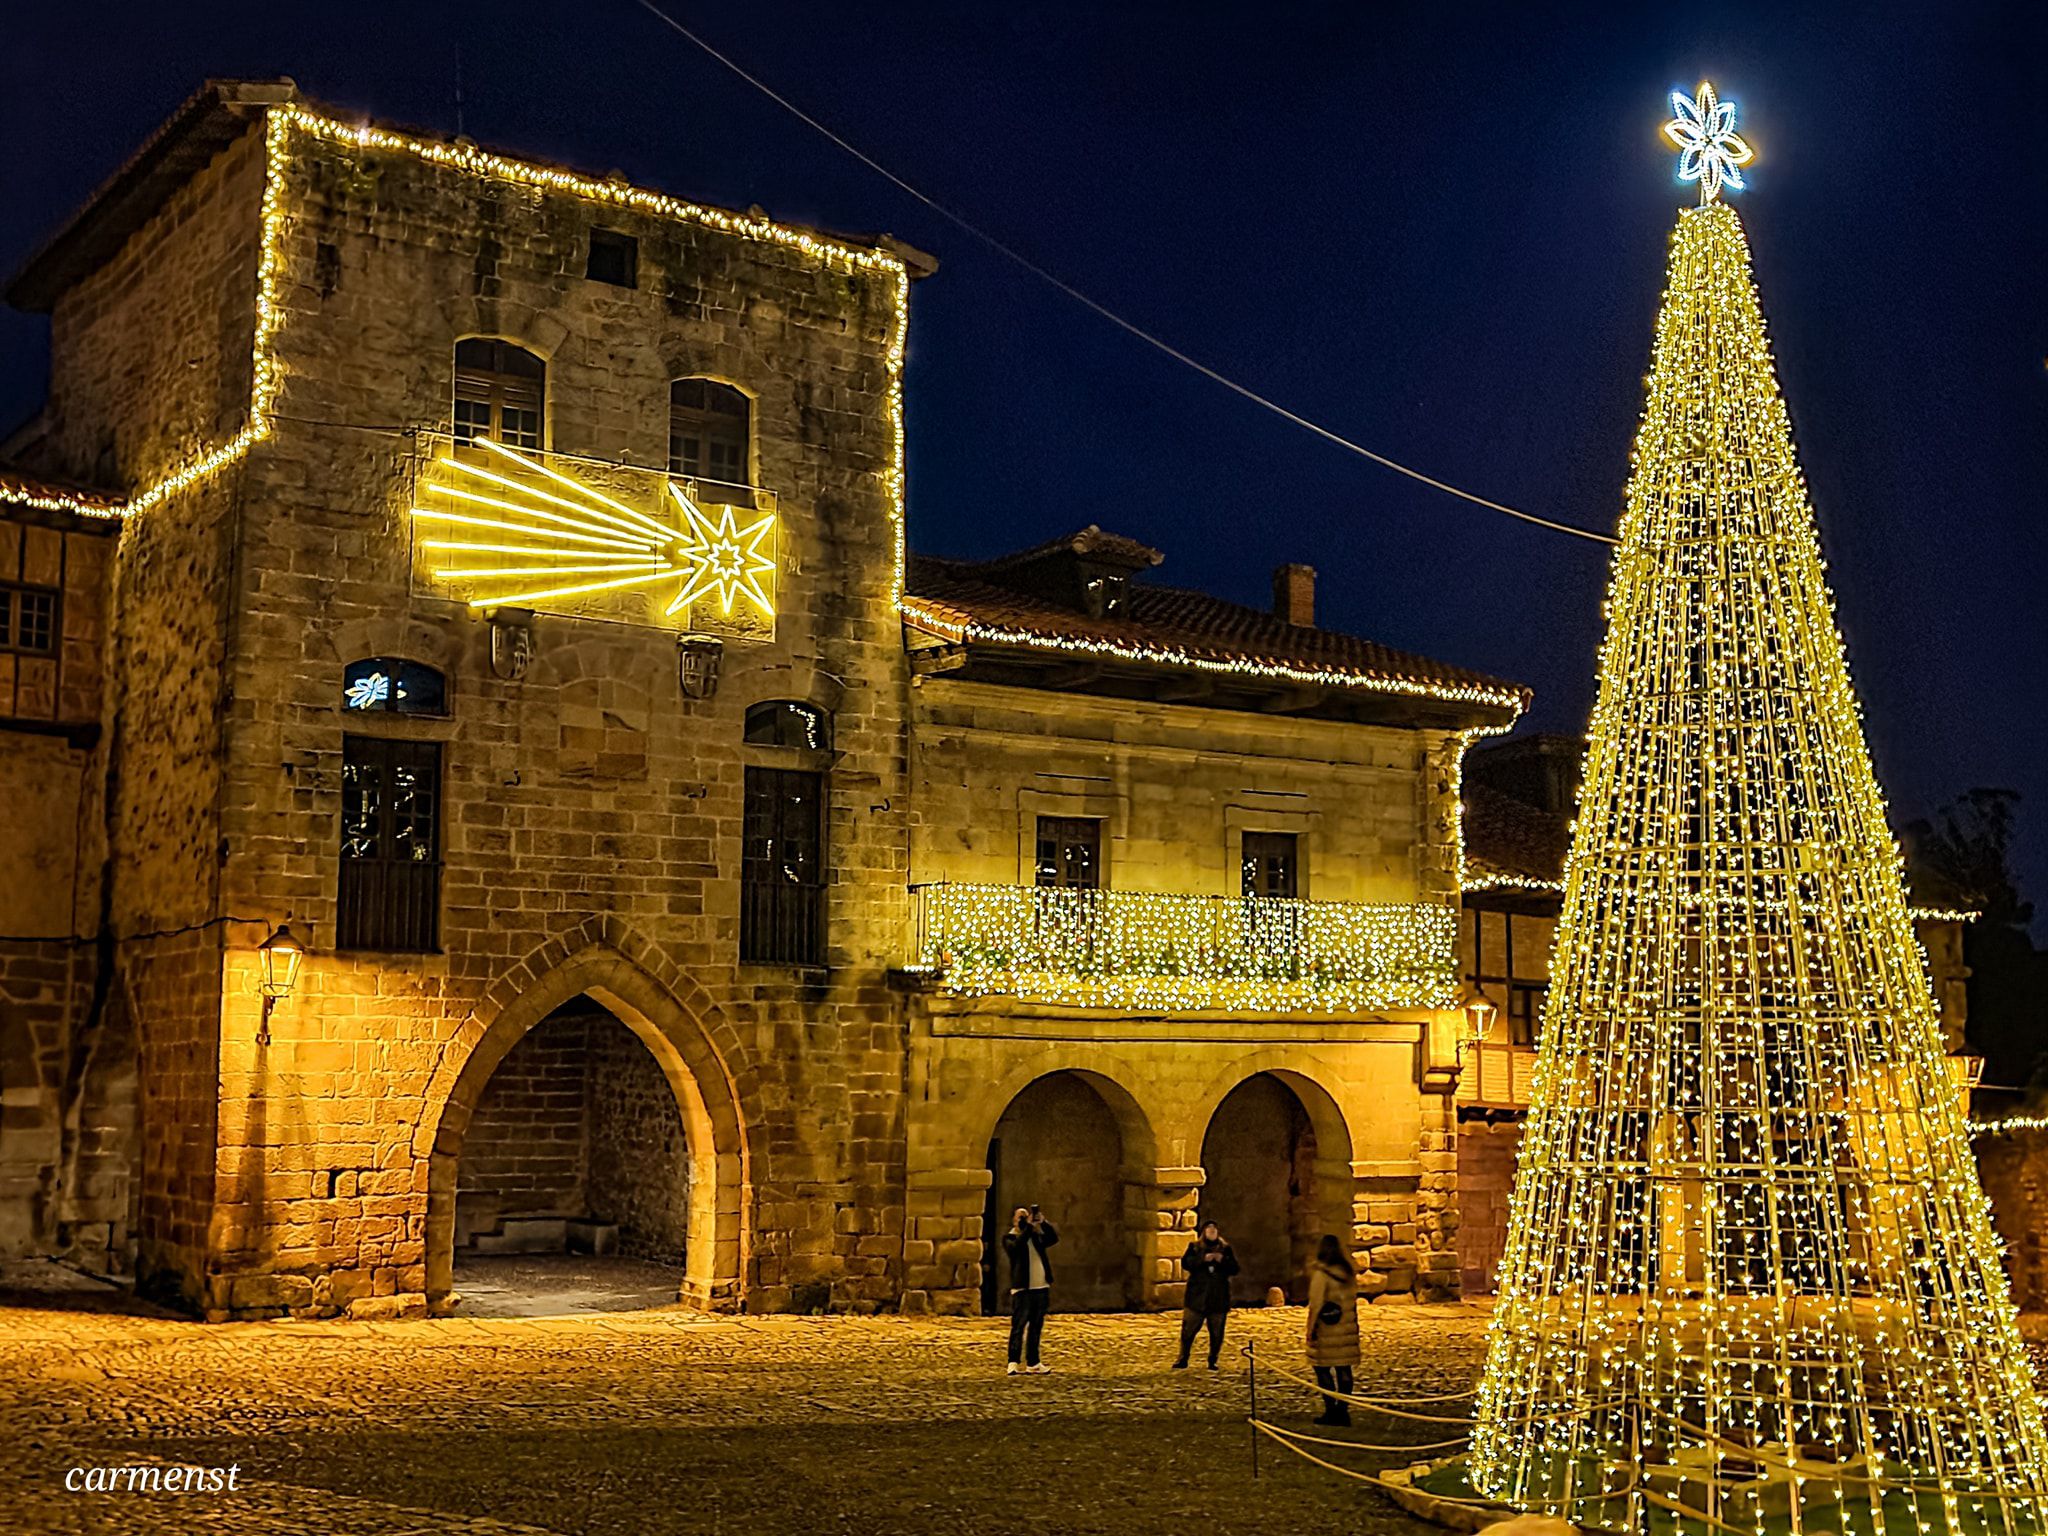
(1025, 1243)
(1209, 1263)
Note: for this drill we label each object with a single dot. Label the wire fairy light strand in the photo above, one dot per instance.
(1750, 1268)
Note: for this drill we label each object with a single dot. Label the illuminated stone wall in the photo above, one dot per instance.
(1176, 788)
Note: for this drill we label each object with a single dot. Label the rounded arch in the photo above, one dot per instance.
(1074, 1141)
(1325, 1115)
(679, 1037)
(1134, 1122)
(1276, 1156)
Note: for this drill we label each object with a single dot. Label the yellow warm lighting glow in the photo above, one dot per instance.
(1750, 1269)
(1154, 951)
(724, 558)
(283, 122)
(562, 517)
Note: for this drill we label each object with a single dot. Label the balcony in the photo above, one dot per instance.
(1159, 953)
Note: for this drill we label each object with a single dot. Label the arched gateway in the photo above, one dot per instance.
(680, 1041)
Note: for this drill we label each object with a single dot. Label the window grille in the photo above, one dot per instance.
(390, 891)
(782, 868)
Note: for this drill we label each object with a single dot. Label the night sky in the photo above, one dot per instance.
(1439, 230)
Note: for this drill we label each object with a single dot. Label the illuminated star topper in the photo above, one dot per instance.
(1711, 152)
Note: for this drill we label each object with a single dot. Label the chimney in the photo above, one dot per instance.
(1294, 594)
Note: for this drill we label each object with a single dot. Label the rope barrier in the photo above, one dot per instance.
(1364, 1445)
(1374, 1405)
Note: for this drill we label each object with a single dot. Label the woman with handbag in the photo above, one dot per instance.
(1333, 1327)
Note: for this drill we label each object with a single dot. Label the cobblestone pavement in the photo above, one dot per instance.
(646, 1423)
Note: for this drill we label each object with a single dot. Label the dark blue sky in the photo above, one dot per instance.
(1439, 230)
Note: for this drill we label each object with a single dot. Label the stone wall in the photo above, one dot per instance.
(1486, 1181)
(639, 1171)
(558, 857)
(526, 1152)
(2015, 1172)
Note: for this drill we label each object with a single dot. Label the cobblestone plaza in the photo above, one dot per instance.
(673, 1421)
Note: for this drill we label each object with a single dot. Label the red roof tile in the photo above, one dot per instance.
(961, 600)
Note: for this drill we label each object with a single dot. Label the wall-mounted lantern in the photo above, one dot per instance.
(697, 663)
(1480, 1012)
(280, 956)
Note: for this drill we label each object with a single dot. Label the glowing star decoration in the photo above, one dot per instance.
(1711, 152)
(369, 692)
(521, 533)
(724, 558)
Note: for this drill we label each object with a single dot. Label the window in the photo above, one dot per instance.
(786, 723)
(614, 259)
(1070, 852)
(710, 429)
(782, 868)
(28, 619)
(500, 392)
(393, 685)
(1270, 865)
(390, 896)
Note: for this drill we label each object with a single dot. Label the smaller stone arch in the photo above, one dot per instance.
(681, 1041)
(1276, 1155)
(1075, 1141)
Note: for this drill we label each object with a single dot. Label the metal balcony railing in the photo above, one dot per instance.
(1158, 952)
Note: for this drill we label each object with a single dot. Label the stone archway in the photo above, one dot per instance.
(697, 1074)
(1078, 1145)
(1276, 1161)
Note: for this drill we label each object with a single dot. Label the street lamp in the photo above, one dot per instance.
(280, 955)
(1480, 1012)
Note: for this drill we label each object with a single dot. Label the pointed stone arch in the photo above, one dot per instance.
(690, 1040)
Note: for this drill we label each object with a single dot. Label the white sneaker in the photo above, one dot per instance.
(1014, 1368)
(1039, 1370)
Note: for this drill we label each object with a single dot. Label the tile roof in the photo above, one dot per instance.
(1508, 841)
(962, 600)
(20, 488)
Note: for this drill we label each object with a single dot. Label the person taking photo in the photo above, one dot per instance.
(1025, 1243)
(1209, 1264)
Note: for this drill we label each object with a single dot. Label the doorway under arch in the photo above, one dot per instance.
(612, 1110)
(1275, 1179)
(1068, 1143)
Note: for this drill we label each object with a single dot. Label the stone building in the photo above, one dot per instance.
(1519, 797)
(1186, 878)
(518, 805)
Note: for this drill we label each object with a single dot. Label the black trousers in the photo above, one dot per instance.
(1335, 1378)
(1027, 1322)
(1192, 1322)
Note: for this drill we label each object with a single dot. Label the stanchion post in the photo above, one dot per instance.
(1251, 1351)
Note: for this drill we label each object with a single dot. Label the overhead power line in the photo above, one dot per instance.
(1104, 310)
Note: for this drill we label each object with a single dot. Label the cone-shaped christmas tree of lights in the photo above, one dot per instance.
(1750, 1281)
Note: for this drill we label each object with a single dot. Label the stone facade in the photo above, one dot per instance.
(257, 338)
(1176, 788)
(67, 1065)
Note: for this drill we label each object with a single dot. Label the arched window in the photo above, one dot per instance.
(500, 392)
(710, 431)
(392, 685)
(787, 723)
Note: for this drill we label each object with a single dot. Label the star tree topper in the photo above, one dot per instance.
(722, 557)
(1711, 152)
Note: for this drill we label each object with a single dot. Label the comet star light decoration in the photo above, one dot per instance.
(722, 557)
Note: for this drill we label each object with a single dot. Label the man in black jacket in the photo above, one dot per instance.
(1025, 1243)
(1209, 1263)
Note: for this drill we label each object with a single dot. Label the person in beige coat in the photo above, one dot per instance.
(1333, 1327)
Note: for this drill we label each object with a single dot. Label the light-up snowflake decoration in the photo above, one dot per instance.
(369, 692)
(521, 532)
(1711, 152)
